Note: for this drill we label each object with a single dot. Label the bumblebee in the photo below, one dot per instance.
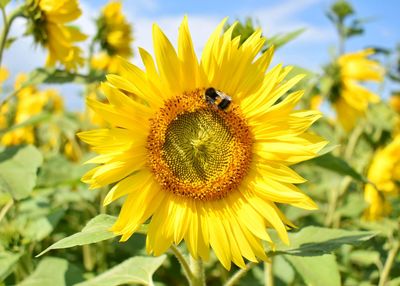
(218, 98)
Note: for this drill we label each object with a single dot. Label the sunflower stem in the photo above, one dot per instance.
(268, 274)
(239, 274)
(395, 246)
(7, 25)
(332, 218)
(183, 262)
(198, 272)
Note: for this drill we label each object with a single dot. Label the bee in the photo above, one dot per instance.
(218, 98)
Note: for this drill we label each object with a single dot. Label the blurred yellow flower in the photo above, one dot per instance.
(3, 76)
(115, 37)
(384, 173)
(394, 102)
(93, 117)
(205, 149)
(48, 19)
(103, 61)
(316, 101)
(72, 150)
(352, 100)
(30, 102)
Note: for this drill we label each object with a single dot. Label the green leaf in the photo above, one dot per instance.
(338, 165)
(282, 39)
(316, 270)
(327, 149)
(342, 9)
(18, 168)
(384, 227)
(54, 271)
(283, 270)
(314, 241)
(9, 42)
(97, 229)
(381, 116)
(134, 270)
(40, 228)
(296, 70)
(7, 263)
(353, 206)
(57, 76)
(58, 170)
(365, 257)
(4, 3)
(34, 120)
(394, 282)
(244, 29)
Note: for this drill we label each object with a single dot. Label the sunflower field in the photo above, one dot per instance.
(196, 165)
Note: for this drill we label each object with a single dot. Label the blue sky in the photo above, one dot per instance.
(310, 50)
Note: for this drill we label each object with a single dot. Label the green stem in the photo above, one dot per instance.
(88, 261)
(7, 25)
(183, 262)
(352, 142)
(5, 209)
(268, 274)
(198, 272)
(389, 263)
(239, 274)
(338, 193)
(342, 37)
(90, 56)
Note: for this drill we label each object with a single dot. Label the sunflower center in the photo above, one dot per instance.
(197, 150)
(198, 146)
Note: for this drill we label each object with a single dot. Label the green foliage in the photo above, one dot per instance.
(96, 230)
(315, 241)
(58, 171)
(33, 120)
(338, 165)
(4, 3)
(8, 260)
(317, 270)
(339, 14)
(57, 76)
(279, 40)
(244, 29)
(54, 271)
(340, 10)
(18, 167)
(134, 270)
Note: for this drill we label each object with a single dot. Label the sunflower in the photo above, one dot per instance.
(349, 98)
(30, 102)
(316, 102)
(203, 148)
(384, 173)
(394, 102)
(115, 37)
(3, 76)
(47, 24)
